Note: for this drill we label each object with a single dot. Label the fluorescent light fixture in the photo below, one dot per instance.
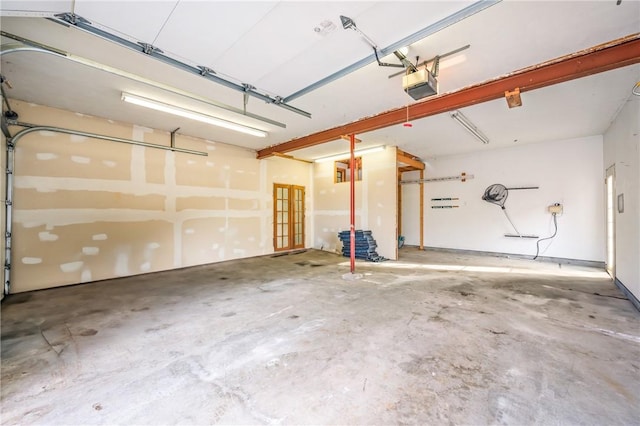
(356, 153)
(469, 126)
(193, 115)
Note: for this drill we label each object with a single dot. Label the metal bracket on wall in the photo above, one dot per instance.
(462, 177)
(173, 137)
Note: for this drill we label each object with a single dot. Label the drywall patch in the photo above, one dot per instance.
(191, 162)
(90, 251)
(190, 231)
(47, 236)
(78, 138)
(210, 163)
(46, 133)
(148, 255)
(80, 160)
(45, 156)
(138, 162)
(99, 237)
(122, 265)
(31, 260)
(85, 277)
(71, 266)
(109, 163)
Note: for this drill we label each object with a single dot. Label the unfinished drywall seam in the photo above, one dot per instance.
(138, 163)
(364, 188)
(9, 197)
(83, 202)
(264, 242)
(170, 205)
(309, 207)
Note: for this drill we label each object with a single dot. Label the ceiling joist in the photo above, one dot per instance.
(409, 160)
(604, 57)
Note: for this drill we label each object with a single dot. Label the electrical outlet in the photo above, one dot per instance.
(555, 208)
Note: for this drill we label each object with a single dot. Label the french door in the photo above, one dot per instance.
(288, 217)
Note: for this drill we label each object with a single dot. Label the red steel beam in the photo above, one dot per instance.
(604, 57)
(352, 203)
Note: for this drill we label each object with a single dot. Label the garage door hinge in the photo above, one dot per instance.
(149, 48)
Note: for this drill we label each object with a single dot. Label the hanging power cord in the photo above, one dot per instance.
(497, 194)
(555, 231)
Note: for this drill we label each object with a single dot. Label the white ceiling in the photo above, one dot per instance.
(273, 46)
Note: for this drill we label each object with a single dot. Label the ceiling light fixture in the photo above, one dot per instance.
(192, 115)
(469, 126)
(357, 152)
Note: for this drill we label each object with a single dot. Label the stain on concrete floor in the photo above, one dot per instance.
(433, 338)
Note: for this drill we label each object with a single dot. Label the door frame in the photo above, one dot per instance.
(294, 212)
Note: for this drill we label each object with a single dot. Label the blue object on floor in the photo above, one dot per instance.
(365, 245)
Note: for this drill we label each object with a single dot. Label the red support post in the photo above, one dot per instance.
(352, 208)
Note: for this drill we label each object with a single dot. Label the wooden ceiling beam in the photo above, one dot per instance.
(409, 160)
(604, 57)
(348, 138)
(407, 169)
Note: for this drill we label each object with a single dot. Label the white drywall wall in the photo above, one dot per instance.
(622, 148)
(88, 210)
(376, 203)
(567, 172)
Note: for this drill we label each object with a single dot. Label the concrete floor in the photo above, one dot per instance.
(287, 340)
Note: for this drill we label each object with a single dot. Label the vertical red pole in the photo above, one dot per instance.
(352, 212)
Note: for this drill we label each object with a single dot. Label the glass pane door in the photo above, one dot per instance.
(298, 216)
(281, 217)
(288, 216)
